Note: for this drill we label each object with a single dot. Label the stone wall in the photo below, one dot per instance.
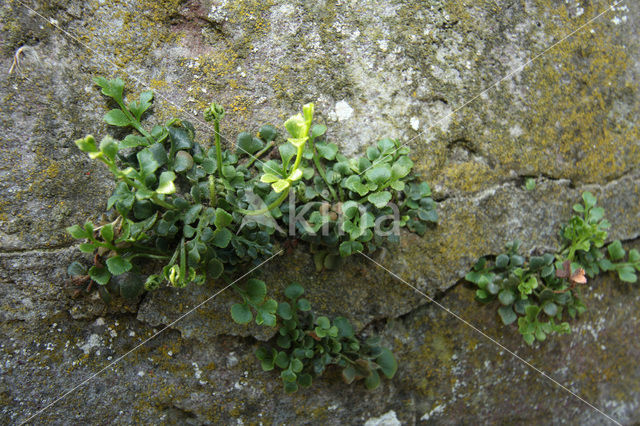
(411, 70)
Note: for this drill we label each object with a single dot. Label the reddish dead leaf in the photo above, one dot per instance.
(574, 278)
(313, 335)
(578, 277)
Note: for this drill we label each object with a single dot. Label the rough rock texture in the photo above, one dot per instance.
(425, 72)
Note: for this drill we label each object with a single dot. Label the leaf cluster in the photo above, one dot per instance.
(183, 213)
(174, 203)
(528, 291)
(537, 291)
(627, 271)
(584, 239)
(585, 234)
(306, 345)
(254, 298)
(356, 204)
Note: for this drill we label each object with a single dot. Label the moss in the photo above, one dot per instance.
(577, 84)
(469, 176)
(136, 34)
(299, 80)
(215, 70)
(561, 116)
(318, 413)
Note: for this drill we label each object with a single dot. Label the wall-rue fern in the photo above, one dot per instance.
(540, 291)
(306, 344)
(193, 210)
(182, 213)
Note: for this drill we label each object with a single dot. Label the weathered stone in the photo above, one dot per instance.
(464, 376)
(448, 372)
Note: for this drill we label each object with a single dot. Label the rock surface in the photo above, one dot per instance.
(426, 73)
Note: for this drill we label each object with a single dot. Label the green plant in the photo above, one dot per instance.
(584, 238)
(346, 202)
(626, 270)
(530, 184)
(254, 297)
(585, 234)
(537, 291)
(356, 204)
(182, 213)
(528, 291)
(174, 204)
(307, 344)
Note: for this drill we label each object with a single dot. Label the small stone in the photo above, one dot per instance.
(387, 419)
(343, 111)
